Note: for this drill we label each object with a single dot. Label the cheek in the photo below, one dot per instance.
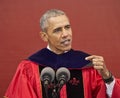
(70, 33)
(57, 38)
(54, 40)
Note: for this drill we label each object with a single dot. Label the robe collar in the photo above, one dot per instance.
(71, 59)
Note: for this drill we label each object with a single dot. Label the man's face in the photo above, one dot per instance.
(59, 34)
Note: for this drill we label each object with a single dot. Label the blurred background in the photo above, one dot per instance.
(95, 25)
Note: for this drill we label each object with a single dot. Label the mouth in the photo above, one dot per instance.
(66, 42)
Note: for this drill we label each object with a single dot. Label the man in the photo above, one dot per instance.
(95, 81)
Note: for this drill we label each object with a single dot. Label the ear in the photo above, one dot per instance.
(44, 36)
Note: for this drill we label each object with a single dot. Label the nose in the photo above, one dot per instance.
(64, 33)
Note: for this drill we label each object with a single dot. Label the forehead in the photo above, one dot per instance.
(58, 21)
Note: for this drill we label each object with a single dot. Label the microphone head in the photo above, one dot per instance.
(47, 74)
(63, 74)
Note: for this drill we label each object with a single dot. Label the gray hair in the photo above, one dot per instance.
(50, 13)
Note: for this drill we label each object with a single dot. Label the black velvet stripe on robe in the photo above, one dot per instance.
(74, 86)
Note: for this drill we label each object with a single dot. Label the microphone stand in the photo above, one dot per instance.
(55, 94)
(61, 83)
(46, 88)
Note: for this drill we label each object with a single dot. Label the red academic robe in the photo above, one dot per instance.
(26, 83)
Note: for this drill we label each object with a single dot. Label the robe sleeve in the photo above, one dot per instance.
(116, 89)
(25, 83)
(101, 89)
(94, 86)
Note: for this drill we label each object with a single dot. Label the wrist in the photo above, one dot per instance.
(108, 79)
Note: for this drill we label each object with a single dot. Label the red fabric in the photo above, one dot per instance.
(26, 83)
(116, 94)
(94, 86)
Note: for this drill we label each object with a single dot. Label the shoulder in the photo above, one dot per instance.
(27, 64)
(27, 67)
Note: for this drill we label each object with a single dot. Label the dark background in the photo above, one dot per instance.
(95, 23)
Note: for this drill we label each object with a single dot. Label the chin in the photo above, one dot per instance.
(67, 48)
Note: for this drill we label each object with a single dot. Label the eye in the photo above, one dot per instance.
(67, 27)
(57, 30)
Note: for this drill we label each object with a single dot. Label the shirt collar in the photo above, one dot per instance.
(48, 47)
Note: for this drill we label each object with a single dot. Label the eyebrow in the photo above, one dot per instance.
(61, 27)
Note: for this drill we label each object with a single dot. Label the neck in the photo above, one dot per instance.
(48, 47)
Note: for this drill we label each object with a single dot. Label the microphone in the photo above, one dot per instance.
(47, 75)
(62, 76)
